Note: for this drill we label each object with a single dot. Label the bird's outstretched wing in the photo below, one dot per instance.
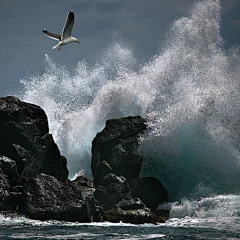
(67, 29)
(52, 35)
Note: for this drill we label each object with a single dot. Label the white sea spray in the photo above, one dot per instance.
(188, 92)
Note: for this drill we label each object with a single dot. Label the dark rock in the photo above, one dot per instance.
(161, 216)
(82, 181)
(25, 139)
(99, 195)
(9, 178)
(5, 198)
(131, 211)
(112, 178)
(44, 197)
(95, 212)
(150, 190)
(132, 204)
(125, 160)
(84, 186)
(112, 190)
(115, 132)
(53, 163)
(9, 168)
(102, 170)
(115, 163)
(34, 176)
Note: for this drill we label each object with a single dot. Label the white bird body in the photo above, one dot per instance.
(65, 37)
(65, 41)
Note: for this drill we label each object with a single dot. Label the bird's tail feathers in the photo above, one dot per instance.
(56, 45)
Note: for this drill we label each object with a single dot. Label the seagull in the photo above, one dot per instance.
(66, 37)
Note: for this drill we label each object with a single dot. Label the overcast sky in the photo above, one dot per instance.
(141, 24)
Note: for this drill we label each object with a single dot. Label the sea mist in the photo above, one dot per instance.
(188, 92)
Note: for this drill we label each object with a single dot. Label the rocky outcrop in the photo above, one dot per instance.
(9, 180)
(135, 211)
(112, 190)
(131, 211)
(44, 197)
(25, 139)
(117, 144)
(34, 176)
(26, 149)
(116, 165)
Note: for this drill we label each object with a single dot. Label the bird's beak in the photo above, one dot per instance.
(78, 42)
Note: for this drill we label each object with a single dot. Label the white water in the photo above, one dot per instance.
(214, 217)
(189, 93)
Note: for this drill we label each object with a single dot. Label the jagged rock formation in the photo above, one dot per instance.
(131, 211)
(25, 139)
(44, 197)
(34, 176)
(117, 145)
(111, 190)
(116, 165)
(26, 149)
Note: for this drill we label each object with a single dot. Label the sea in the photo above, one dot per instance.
(189, 93)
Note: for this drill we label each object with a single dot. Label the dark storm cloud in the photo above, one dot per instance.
(142, 24)
(229, 5)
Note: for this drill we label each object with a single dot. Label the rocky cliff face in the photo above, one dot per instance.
(44, 197)
(117, 145)
(34, 176)
(116, 166)
(25, 139)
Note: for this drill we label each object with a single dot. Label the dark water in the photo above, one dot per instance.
(175, 229)
(189, 94)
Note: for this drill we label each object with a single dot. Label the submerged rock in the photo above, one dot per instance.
(25, 139)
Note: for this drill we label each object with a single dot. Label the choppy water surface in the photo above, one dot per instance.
(187, 227)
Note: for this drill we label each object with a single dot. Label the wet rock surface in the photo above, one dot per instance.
(116, 165)
(117, 144)
(26, 149)
(112, 190)
(131, 211)
(34, 176)
(25, 139)
(44, 197)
